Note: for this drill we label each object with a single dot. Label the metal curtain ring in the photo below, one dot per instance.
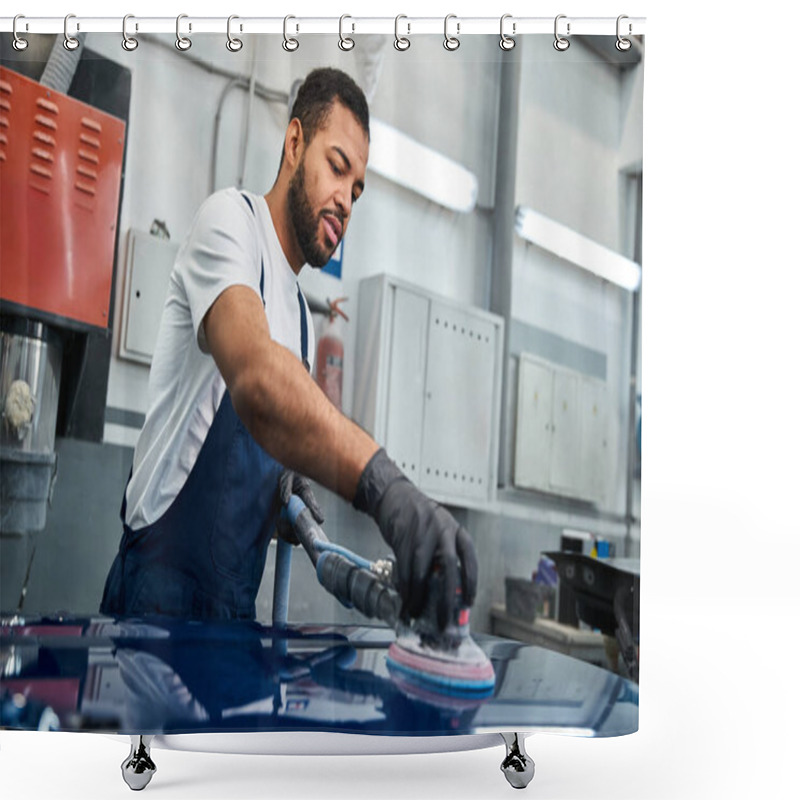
(233, 44)
(623, 44)
(128, 42)
(19, 43)
(289, 44)
(451, 42)
(506, 42)
(345, 42)
(70, 42)
(183, 43)
(560, 43)
(400, 42)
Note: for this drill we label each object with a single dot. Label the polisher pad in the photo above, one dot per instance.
(463, 671)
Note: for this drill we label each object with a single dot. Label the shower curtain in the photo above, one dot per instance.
(479, 318)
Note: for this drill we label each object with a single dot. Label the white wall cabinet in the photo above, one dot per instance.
(427, 387)
(561, 444)
(148, 267)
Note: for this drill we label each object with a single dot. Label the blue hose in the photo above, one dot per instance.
(343, 551)
(296, 507)
(280, 593)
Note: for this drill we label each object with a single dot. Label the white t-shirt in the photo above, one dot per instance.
(225, 247)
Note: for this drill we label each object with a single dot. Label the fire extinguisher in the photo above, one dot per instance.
(330, 353)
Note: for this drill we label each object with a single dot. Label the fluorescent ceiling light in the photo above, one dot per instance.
(577, 249)
(404, 161)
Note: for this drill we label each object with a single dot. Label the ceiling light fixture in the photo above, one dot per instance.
(577, 249)
(404, 161)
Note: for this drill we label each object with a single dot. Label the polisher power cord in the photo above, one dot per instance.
(358, 560)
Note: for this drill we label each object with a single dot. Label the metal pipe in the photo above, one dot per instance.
(236, 80)
(636, 300)
(236, 83)
(501, 285)
(233, 84)
(188, 56)
(61, 65)
(250, 96)
(629, 518)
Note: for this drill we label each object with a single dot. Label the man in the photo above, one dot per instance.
(232, 407)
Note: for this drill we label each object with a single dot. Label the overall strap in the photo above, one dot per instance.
(261, 283)
(303, 319)
(123, 511)
(303, 330)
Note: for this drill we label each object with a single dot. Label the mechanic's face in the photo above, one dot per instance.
(329, 178)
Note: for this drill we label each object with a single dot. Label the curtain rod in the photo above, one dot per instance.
(298, 25)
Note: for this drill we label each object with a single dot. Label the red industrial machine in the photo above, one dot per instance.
(60, 170)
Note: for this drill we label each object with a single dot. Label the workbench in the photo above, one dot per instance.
(587, 645)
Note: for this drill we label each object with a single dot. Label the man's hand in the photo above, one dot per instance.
(288, 484)
(421, 532)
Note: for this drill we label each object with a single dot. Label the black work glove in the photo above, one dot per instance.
(421, 533)
(291, 483)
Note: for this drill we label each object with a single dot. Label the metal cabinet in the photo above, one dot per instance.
(594, 463)
(428, 387)
(561, 443)
(534, 422)
(149, 265)
(564, 450)
(404, 414)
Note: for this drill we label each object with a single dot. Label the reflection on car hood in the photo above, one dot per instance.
(162, 676)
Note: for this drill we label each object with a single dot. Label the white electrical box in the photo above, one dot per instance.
(561, 444)
(427, 388)
(148, 267)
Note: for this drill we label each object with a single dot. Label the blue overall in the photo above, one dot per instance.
(204, 557)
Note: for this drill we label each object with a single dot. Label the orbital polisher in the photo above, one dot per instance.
(423, 660)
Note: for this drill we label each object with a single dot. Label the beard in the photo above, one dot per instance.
(304, 221)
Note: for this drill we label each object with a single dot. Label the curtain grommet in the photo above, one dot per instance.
(401, 43)
(507, 42)
(345, 42)
(129, 43)
(561, 44)
(183, 43)
(70, 42)
(451, 43)
(622, 44)
(289, 44)
(233, 44)
(18, 42)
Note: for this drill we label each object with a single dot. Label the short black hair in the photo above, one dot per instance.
(316, 96)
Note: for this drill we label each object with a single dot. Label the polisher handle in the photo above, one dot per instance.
(356, 587)
(352, 585)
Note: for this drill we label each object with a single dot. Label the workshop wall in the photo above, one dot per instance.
(579, 147)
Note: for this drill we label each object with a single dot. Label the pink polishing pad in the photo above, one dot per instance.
(467, 674)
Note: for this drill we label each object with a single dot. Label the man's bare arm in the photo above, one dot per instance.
(290, 417)
(278, 401)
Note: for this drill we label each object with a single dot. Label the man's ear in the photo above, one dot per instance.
(293, 144)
